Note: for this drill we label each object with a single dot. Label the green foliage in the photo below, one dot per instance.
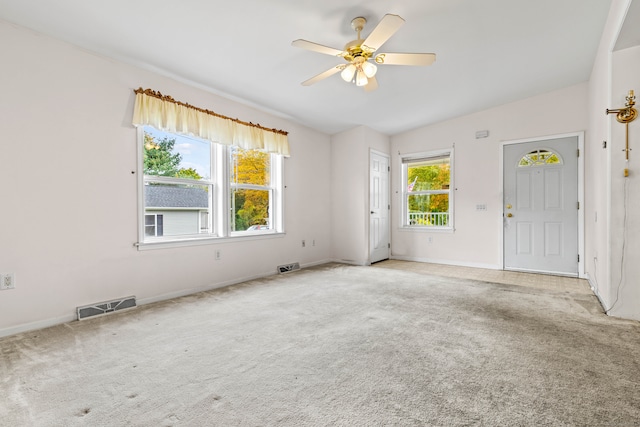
(190, 173)
(158, 157)
(252, 208)
(426, 178)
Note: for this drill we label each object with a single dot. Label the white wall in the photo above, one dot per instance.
(350, 192)
(68, 218)
(597, 174)
(476, 240)
(625, 194)
(612, 220)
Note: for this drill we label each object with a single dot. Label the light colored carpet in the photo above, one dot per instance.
(333, 345)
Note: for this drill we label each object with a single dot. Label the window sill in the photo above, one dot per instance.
(427, 229)
(179, 243)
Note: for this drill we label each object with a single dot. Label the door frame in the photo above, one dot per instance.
(581, 211)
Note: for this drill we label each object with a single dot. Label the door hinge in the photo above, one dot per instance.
(578, 257)
(578, 205)
(578, 152)
(388, 168)
(388, 207)
(389, 245)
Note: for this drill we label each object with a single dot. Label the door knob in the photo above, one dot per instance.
(509, 215)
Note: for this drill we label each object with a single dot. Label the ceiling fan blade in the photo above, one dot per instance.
(323, 75)
(371, 85)
(305, 44)
(387, 27)
(405, 58)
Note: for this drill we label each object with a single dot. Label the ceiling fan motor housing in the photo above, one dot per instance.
(354, 49)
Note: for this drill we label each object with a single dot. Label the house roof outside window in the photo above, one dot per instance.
(163, 196)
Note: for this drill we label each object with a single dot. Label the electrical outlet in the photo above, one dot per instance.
(7, 281)
(218, 255)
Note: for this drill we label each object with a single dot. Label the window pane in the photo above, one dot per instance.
(178, 208)
(250, 209)
(249, 167)
(428, 209)
(167, 154)
(428, 175)
(539, 158)
(149, 225)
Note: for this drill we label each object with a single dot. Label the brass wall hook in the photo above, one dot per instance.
(626, 115)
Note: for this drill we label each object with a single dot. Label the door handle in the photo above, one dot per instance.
(372, 212)
(509, 215)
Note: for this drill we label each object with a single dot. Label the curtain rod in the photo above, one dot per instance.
(155, 94)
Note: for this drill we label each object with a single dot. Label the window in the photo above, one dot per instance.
(251, 192)
(539, 158)
(427, 197)
(187, 194)
(152, 225)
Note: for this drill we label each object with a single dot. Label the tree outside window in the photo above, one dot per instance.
(185, 187)
(250, 189)
(176, 185)
(427, 191)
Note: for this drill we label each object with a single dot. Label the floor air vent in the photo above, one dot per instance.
(288, 267)
(106, 307)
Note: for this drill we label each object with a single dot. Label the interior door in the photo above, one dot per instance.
(541, 206)
(379, 232)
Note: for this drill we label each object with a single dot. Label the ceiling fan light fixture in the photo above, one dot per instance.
(361, 78)
(369, 69)
(348, 72)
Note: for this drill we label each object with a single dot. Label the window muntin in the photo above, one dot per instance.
(427, 190)
(540, 157)
(185, 194)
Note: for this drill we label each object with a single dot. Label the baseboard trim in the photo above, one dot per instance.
(33, 326)
(447, 262)
(594, 289)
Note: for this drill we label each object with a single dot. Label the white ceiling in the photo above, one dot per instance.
(489, 52)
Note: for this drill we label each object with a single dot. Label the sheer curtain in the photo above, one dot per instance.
(164, 113)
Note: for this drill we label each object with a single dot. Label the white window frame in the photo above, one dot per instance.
(407, 159)
(220, 194)
(274, 187)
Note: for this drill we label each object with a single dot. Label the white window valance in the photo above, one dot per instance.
(164, 113)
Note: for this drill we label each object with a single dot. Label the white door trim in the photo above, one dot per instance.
(580, 136)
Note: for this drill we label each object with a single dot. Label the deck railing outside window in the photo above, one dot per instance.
(437, 219)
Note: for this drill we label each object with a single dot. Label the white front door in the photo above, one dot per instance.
(379, 232)
(541, 206)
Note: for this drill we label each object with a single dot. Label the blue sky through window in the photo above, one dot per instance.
(195, 152)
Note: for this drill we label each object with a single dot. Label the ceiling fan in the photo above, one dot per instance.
(361, 54)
